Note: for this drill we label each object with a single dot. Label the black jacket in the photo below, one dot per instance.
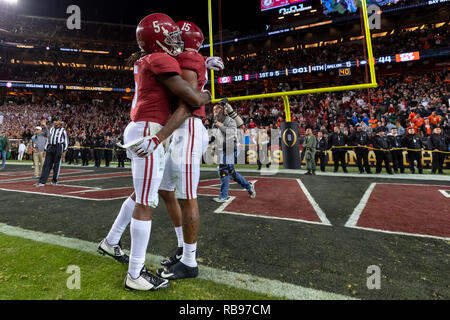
(337, 139)
(395, 141)
(322, 145)
(361, 138)
(381, 142)
(438, 141)
(412, 141)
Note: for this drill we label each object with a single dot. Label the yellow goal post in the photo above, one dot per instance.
(285, 95)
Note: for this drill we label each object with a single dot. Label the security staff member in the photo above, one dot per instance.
(337, 141)
(70, 151)
(57, 144)
(438, 142)
(99, 144)
(85, 146)
(397, 151)
(382, 150)
(321, 150)
(360, 139)
(121, 154)
(415, 147)
(108, 150)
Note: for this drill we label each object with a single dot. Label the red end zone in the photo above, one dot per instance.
(420, 210)
(276, 198)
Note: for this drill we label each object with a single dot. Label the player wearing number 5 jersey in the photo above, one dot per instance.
(158, 78)
(111, 244)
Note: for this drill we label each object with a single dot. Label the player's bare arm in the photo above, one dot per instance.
(185, 91)
(182, 112)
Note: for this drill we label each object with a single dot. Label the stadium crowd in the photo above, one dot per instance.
(420, 102)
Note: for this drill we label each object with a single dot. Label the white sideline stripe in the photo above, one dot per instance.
(237, 280)
(446, 193)
(403, 176)
(314, 204)
(64, 196)
(353, 220)
(265, 171)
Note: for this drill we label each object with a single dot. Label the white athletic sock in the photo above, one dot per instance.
(140, 236)
(189, 253)
(179, 232)
(121, 223)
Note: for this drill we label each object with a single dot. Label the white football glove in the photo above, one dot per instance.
(145, 146)
(214, 63)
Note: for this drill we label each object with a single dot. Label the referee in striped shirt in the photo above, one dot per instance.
(57, 144)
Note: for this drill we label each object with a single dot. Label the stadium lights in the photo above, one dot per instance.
(10, 1)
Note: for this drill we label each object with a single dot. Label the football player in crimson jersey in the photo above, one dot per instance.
(183, 159)
(157, 78)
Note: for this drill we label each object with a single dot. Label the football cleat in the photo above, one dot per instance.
(54, 183)
(252, 191)
(174, 258)
(145, 282)
(114, 252)
(178, 271)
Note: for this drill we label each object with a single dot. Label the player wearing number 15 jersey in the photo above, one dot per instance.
(157, 78)
(183, 159)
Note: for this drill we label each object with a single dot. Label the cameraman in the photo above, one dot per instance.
(225, 136)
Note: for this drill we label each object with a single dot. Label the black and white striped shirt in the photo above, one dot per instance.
(58, 136)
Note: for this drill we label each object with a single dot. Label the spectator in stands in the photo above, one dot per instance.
(427, 128)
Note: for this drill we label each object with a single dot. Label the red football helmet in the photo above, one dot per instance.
(157, 32)
(191, 35)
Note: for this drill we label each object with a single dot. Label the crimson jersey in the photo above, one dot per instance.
(151, 98)
(194, 61)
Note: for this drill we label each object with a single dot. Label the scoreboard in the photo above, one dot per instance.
(343, 68)
(273, 4)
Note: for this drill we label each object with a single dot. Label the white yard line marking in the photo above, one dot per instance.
(237, 280)
(314, 204)
(354, 217)
(402, 233)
